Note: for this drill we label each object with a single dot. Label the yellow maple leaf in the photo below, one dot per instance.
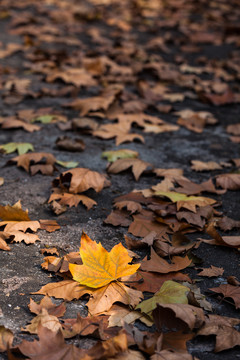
(101, 267)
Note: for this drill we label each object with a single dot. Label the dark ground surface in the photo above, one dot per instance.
(20, 269)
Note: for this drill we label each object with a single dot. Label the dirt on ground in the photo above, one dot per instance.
(166, 75)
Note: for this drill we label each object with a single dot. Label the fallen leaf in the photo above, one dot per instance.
(6, 338)
(118, 218)
(114, 155)
(3, 237)
(13, 213)
(46, 303)
(50, 322)
(223, 327)
(81, 179)
(213, 271)
(51, 345)
(14, 123)
(72, 200)
(25, 161)
(122, 314)
(28, 238)
(233, 129)
(170, 293)
(152, 281)
(131, 206)
(205, 166)
(21, 148)
(157, 264)
(138, 166)
(118, 131)
(1, 181)
(49, 225)
(69, 144)
(67, 164)
(228, 181)
(144, 223)
(171, 355)
(100, 267)
(229, 291)
(66, 289)
(179, 316)
(187, 202)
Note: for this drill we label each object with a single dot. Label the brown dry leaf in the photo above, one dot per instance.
(85, 124)
(66, 289)
(72, 200)
(6, 338)
(46, 303)
(11, 123)
(223, 327)
(213, 271)
(138, 166)
(76, 76)
(226, 98)
(234, 129)
(25, 161)
(179, 316)
(69, 144)
(157, 264)
(172, 174)
(13, 213)
(50, 322)
(231, 241)
(103, 298)
(81, 179)
(144, 224)
(158, 129)
(131, 206)
(205, 166)
(119, 131)
(229, 291)
(21, 226)
(191, 188)
(122, 314)
(195, 121)
(28, 238)
(152, 281)
(96, 103)
(1, 181)
(228, 181)
(49, 225)
(51, 345)
(118, 218)
(3, 237)
(51, 251)
(172, 355)
(176, 340)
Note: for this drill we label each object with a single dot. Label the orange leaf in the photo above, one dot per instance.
(99, 266)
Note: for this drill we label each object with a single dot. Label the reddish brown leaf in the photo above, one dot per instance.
(229, 291)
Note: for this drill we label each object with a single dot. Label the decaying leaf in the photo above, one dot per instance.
(229, 291)
(13, 213)
(205, 166)
(81, 179)
(6, 339)
(228, 181)
(72, 199)
(212, 271)
(138, 166)
(43, 162)
(158, 264)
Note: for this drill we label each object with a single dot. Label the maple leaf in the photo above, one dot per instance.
(213, 271)
(69, 144)
(76, 76)
(3, 237)
(137, 165)
(100, 267)
(228, 181)
(72, 200)
(119, 154)
(182, 200)
(223, 327)
(170, 293)
(46, 303)
(229, 291)
(158, 264)
(13, 213)
(6, 338)
(21, 148)
(51, 345)
(50, 322)
(25, 161)
(10, 123)
(118, 131)
(81, 179)
(179, 316)
(205, 166)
